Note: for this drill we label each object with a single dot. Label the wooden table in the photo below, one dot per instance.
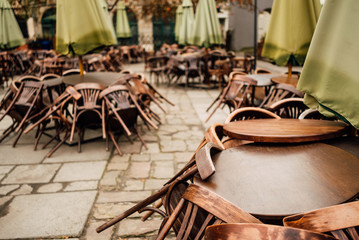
(263, 80)
(285, 130)
(103, 78)
(273, 181)
(284, 79)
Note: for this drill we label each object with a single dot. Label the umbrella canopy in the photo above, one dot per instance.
(206, 29)
(330, 74)
(187, 22)
(179, 13)
(82, 26)
(290, 30)
(10, 33)
(122, 27)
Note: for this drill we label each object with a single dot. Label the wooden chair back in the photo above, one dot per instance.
(252, 231)
(49, 76)
(313, 114)
(26, 102)
(279, 92)
(71, 72)
(235, 94)
(262, 71)
(340, 221)
(246, 113)
(90, 104)
(199, 208)
(288, 107)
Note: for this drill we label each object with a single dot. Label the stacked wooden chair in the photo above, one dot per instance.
(199, 208)
(88, 111)
(235, 94)
(122, 112)
(21, 103)
(59, 114)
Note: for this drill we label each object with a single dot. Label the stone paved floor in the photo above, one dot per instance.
(71, 193)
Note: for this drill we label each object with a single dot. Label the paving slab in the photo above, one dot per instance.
(92, 151)
(46, 215)
(5, 169)
(80, 171)
(50, 188)
(41, 173)
(22, 154)
(82, 185)
(23, 190)
(137, 228)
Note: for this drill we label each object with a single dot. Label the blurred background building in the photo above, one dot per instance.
(152, 22)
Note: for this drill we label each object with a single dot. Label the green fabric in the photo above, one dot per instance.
(330, 76)
(82, 26)
(10, 33)
(179, 13)
(122, 27)
(206, 29)
(290, 30)
(187, 22)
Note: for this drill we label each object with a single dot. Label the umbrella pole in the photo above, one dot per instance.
(81, 65)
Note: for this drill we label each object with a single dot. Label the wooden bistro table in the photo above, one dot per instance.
(284, 172)
(284, 79)
(274, 181)
(285, 130)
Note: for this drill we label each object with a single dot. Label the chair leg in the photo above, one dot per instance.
(115, 143)
(40, 132)
(67, 135)
(140, 137)
(81, 137)
(8, 131)
(19, 135)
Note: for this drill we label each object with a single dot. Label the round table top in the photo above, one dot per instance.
(103, 78)
(273, 181)
(263, 79)
(285, 130)
(284, 79)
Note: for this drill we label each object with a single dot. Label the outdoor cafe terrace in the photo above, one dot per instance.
(102, 140)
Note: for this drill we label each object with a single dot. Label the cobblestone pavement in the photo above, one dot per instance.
(71, 193)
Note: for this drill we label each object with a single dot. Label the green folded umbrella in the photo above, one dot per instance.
(185, 32)
(330, 76)
(179, 13)
(206, 29)
(290, 30)
(122, 27)
(82, 26)
(10, 33)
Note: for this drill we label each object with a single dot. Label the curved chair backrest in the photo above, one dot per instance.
(288, 108)
(29, 78)
(280, 92)
(262, 71)
(49, 76)
(71, 72)
(245, 113)
(313, 114)
(252, 231)
(341, 221)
